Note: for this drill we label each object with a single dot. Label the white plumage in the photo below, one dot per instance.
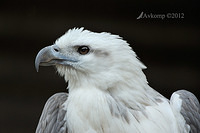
(108, 92)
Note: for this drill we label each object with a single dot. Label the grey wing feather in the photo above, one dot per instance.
(52, 118)
(190, 110)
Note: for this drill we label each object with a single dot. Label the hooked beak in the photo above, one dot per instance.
(51, 55)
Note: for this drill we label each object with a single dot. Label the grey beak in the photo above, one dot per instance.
(51, 55)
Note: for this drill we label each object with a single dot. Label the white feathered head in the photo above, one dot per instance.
(87, 58)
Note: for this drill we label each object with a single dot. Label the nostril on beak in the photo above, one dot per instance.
(56, 48)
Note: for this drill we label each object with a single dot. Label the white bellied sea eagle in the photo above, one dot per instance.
(108, 91)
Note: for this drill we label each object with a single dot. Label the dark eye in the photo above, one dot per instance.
(83, 50)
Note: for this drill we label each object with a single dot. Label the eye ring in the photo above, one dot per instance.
(83, 50)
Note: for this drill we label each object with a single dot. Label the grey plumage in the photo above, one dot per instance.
(190, 110)
(52, 118)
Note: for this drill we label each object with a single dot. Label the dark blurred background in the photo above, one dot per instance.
(169, 48)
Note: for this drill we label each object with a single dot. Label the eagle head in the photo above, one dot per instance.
(88, 58)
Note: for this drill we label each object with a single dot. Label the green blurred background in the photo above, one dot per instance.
(169, 48)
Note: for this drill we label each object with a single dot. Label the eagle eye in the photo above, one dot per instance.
(83, 50)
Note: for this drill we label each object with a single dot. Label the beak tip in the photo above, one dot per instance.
(37, 67)
(37, 63)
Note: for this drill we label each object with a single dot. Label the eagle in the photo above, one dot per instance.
(108, 91)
